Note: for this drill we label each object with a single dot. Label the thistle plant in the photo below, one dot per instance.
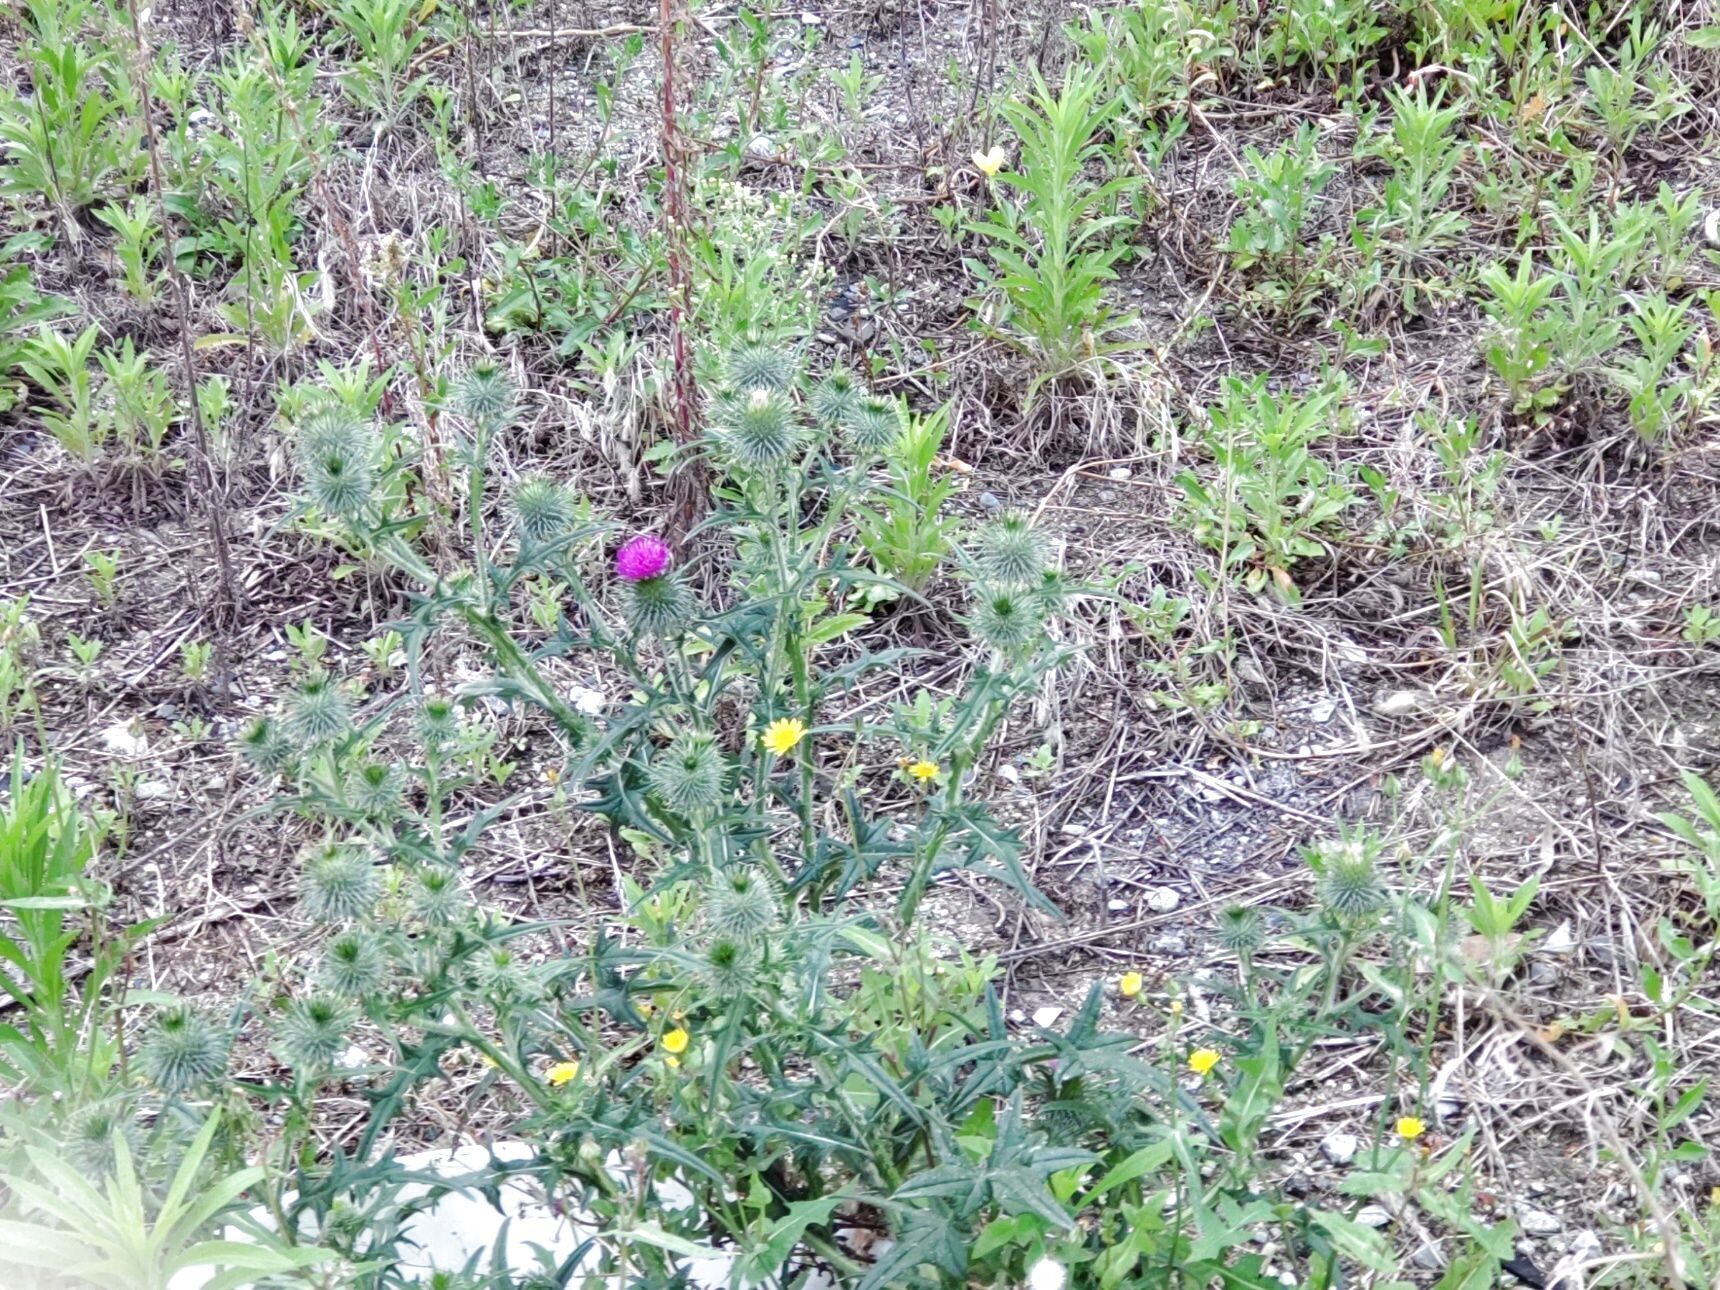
(771, 816)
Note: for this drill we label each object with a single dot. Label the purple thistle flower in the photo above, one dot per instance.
(643, 557)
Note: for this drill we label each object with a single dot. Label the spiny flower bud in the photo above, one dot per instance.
(181, 1050)
(875, 424)
(756, 429)
(353, 965)
(1241, 930)
(837, 397)
(485, 396)
(265, 745)
(436, 896)
(318, 712)
(313, 1031)
(750, 367)
(543, 509)
(90, 1133)
(376, 789)
(730, 967)
(337, 456)
(656, 606)
(438, 721)
(688, 775)
(1349, 883)
(339, 882)
(1006, 620)
(741, 905)
(1010, 552)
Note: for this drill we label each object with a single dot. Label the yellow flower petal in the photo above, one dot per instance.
(561, 1073)
(673, 1063)
(989, 162)
(783, 734)
(1409, 1128)
(1202, 1060)
(675, 1041)
(1129, 984)
(924, 771)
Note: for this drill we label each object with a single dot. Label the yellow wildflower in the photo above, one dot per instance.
(924, 770)
(673, 1063)
(675, 1041)
(1409, 1128)
(1129, 984)
(1202, 1060)
(989, 162)
(1176, 1007)
(783, 734)
(561, 1073)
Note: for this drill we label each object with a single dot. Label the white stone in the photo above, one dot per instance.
(152, 790)
(1374, 1216)
(1121, 472)
(1117, 905)
(1340, 1148)
(1538, 1222)
(1047, 1016)
(123, 741)
(1161, 900)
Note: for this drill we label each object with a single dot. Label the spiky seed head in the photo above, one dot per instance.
(318, 712)
(337, 457)
(485, 396)
(313, 1031)
(376, 789)
(1006, 620)
(353, 964)
(438, 721)
(730, 967)
(741, 905)
(436, 896)
(543, 509)
(756, 429)
(688, 775)
(266, 745)
(875, 424)
(339, 882)
(181, 1050)
(497, 973)
(90, 1133)
(749, 367)
(1241, 930)
(1350, 884)
(658, 606)
(837, 397)
(1010, 552)
(331, 427)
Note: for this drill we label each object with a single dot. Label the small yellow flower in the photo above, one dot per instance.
(1129, 984)
(561, 1073)
(1202, 1060)
(1176, 1007)
(1409, 1128)
(989, 162)
(924, 771)
(675, 1041)
(673, 1063)
(783, 734)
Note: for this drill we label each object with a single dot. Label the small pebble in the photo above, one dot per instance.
(1117, 906)
(1538, 1222)
(1161, 900)
(1340, 1148)
(1374, 1216)
(1047, 1016)
(1429, 1256)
